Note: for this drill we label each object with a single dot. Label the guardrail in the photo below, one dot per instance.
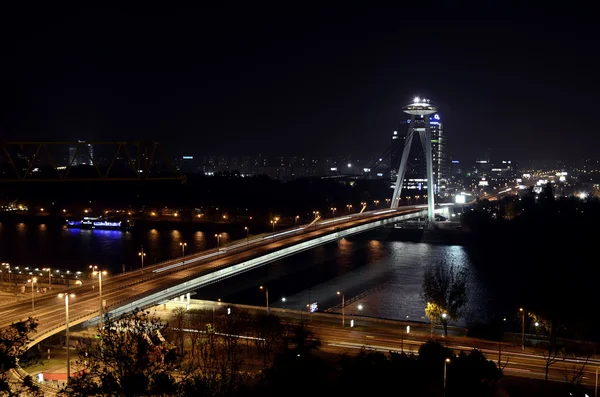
(154, 296)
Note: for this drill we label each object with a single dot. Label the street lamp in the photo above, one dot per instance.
(376, 202)
(446, 361)
(522, 328)
(66, 298)
(273, 222)
(94, 268)
(32, 281)
(333, 210)
(100, 274)
(47, 269)
(349, 207)
(7, 265)
(343, 309)
(387, 201)
(142, 254)
(247, 231)
(316, 214)
(266, 296)
(296, 220)
(218, 236)
(183, 245)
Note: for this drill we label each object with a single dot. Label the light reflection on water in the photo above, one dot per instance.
(383, 276)
(53, 245)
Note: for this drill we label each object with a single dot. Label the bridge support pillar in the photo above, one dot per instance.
(421, 126)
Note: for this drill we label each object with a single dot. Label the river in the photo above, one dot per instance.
(377, 275)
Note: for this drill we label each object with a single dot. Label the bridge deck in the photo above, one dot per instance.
(172, 278)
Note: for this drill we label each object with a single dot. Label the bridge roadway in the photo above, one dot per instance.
(162, 281)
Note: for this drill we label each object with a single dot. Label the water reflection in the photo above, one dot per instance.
(383, 276)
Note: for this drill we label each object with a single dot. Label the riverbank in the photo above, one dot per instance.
(444, 236)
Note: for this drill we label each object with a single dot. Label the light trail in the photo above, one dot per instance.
(383, 212)
(283, 233)
(335, 220)
(174, 265)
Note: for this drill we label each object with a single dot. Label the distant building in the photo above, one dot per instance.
(416, 170)
(82, 154)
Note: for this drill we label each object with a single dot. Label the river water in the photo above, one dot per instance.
(377, 275)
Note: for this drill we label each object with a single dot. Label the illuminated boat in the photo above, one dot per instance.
(89, 222)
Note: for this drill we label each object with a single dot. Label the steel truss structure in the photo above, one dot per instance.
(126, 161)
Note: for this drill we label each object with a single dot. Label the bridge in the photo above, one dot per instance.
(158, 283)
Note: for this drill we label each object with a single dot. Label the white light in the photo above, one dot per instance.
(383, 212)
(349, 165)
(335, 220)
(360, 307)
(283, 299)
(460, 199)
(395, 133)
(417, 99)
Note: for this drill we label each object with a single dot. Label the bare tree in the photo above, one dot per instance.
(268, 331)
(133, 359)
(178, 321)
(445, 292)
(549, 330)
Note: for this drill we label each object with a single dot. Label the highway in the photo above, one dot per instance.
(388, 335)
(120, 289)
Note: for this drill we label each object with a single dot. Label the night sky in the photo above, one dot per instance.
(302, 81)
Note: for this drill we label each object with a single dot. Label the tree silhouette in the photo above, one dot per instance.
(13, 345)
(132, 359)
(444, 290)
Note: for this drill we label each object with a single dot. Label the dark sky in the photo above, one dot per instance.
(302, 81)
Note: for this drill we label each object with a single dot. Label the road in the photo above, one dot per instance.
(128, 287)
(389, 335)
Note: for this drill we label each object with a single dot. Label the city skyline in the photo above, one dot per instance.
(230, 80)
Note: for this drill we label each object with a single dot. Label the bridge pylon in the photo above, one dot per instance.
(419, 124)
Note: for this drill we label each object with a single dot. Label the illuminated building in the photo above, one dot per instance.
(416, 165)
(422, 114)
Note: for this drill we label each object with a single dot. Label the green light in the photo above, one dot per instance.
(434, 141)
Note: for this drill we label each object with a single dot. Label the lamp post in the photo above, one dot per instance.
(218, 236)
(100, 274)
(333, 210)
(266, 295)
(376, 202)
(247, 233)
(7, 265)
(47, 269)
(183, 245)
(142, 254)
(273, 222)
(296, 220)
(32, 281)
(522, 328)
(94, 269)
(66, 298)
(343, 308)
(446, 361)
